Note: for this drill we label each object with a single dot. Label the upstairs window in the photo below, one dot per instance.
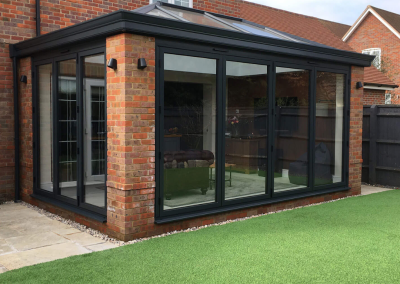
(377, 53)
(184, 3)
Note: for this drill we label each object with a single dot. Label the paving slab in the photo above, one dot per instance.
(3, 269)
(83, 239)
(22, 243)
(44, 254)
(28, 237)
(5, 247)
(368, 189)
(101, 246)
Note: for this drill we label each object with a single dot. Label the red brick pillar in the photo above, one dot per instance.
(131, 136)
(25, 129)
(356, 119)
(7, 162)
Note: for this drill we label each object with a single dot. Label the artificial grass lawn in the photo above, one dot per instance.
(355, 240)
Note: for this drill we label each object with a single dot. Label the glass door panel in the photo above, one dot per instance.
(246, 129)
(67, 128)
(94, 99)
(329, 128)
(189, 130)
(45, 127)
(291, 162)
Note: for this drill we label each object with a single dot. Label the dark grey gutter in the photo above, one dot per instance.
(16, 128)
(37, 18)
(127, 21)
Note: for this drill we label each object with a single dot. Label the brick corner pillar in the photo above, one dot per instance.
(131, 137)
(25, 129)
(356, 119)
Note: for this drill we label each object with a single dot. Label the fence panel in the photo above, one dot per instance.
(381, 145)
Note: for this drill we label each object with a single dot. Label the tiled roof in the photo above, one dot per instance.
(296, 24)
(374, 76)
(337, 28)
(392, 18)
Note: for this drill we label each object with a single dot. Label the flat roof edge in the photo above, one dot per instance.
(126, 21)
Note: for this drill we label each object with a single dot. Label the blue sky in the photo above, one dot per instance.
(341, 11)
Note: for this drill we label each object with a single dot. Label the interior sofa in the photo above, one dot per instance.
(186, 170)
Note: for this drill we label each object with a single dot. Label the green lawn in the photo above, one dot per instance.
(355, 240)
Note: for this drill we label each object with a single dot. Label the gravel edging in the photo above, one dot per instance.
(380, 185)
(107, 238)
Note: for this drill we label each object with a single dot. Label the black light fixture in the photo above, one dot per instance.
(112, 63)
(24, 79)
(141, 63)
(359, 85)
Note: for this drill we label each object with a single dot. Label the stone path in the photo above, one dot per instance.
(28, 237)
(368, 189)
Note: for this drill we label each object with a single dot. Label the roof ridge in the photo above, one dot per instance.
(376, 8)
(288, 12)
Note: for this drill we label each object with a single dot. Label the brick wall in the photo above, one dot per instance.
(356, 120)
(373, 34)
(131, 135)
(6, 126)
(25, 131)
(374, 97)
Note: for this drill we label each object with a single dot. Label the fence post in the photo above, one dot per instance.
(373, 134)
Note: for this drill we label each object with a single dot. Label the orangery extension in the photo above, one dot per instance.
(166, 117)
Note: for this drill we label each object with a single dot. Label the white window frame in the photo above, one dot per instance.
(388, 98)
(372, 51)
(173, 2)
(89, 178)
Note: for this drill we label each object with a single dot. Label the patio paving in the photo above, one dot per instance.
(28, 237)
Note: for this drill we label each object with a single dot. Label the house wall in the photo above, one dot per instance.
(17, 23)
(131, 147)
(371, 33)
(374, 97)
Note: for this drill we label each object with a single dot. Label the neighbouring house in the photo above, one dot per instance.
(377, 32)
(377, 86)
(160, 117)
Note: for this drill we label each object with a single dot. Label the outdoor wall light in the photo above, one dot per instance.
(141, 63)
(359, 85)
(24, 79)
(112, 63)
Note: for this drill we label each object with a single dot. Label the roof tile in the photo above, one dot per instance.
(296, 24)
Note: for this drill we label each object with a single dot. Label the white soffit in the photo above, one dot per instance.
(369, 10)
(379, 88)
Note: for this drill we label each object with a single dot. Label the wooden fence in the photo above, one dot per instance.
(381, 145)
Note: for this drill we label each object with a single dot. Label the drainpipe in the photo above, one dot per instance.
(37, 18)
(16, 128)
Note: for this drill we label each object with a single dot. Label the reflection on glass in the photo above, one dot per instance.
(45, 127)
(189, 130)
(246, 129)
(329, 128)
(291, 164)
(197, 18)
(159, 13)
(67, 128)
(95, 130)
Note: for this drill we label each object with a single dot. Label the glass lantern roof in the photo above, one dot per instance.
(189, 15)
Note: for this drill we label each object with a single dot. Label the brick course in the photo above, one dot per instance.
(371, 33)
(374, 97)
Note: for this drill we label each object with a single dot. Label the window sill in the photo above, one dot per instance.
(163, 220)
(95, 216)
